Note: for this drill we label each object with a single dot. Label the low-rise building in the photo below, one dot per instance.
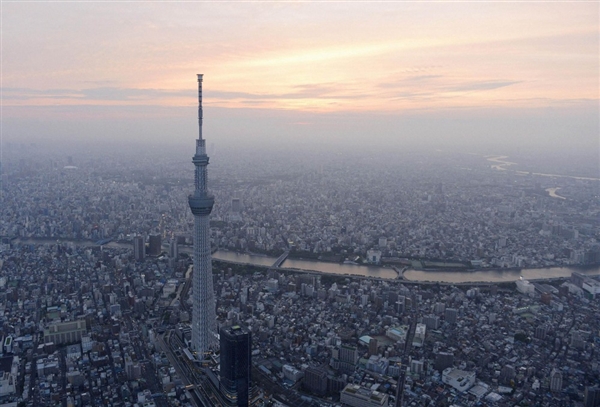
(357, 396)
(459, 379)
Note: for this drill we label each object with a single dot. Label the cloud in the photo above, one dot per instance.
(93, 94)
(106, 93)
(482, 85)
(305, 91)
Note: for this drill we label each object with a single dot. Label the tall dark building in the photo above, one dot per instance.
(315, 380)
(154, 245)
(236, 364)
(236, 205)
(591, 396)
(173, 249)
(451, 314)
(373, 347)
(443, 360)
(139, 248)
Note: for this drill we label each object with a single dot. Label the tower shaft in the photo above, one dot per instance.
(204, 335)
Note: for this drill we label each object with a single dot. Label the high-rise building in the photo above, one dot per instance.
(416, 366)
(419, 337)
(173, 249)
(432, 321)
(154, 245)
(443, 360)
(450, 315)
(507, 374)
(541, 332)
(373, 347)
(555, 380)
(236, 210)
(139, 248)
(236, 205)
(236, 364)
(591, 396)
(315, 380)
(204, 329)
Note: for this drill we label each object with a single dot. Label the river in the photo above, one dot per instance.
(234, 257)
(479, 276)
(497, 276)
(308, 265)
(553, 194)
(502, 165)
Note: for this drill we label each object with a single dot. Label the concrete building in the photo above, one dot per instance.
(139, 248)
(397, 333)
(525, 287)
(459, 379)
(373, 347)
(154, 245)
(555, 380)
(443, 360)
(174, 249)
(65, 332)
(9, 369)
(416, 366)
(315, 380)
(591, 397)
(357, 396)
(291, 373)
(374, 256)
(419, 337)
(450, 314)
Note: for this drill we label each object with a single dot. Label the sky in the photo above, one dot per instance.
(395, 74)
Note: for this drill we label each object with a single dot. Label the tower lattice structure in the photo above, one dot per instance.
(204, 331)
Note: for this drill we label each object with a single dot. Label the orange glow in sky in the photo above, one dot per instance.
(314, 56)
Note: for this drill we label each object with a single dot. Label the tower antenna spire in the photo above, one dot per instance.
(200, 113)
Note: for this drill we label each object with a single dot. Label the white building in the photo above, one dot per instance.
(525, 287)
(397, 333)
(86, 343)
(272, 285)
(377, 364)
(357, 396)
(419, 338)
(74, 351)
(416, 366)
(459, 379)
(291, 373)
(169, 288)
(591, 286)
(373, 256)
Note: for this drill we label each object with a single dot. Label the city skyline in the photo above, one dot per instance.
(436, 72)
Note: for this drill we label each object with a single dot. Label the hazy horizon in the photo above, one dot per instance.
(487, 77)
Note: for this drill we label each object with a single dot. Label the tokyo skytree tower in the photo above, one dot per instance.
(204, 330)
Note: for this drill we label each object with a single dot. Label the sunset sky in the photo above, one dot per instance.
(299, 64)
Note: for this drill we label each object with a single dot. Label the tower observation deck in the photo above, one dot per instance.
(204, 332)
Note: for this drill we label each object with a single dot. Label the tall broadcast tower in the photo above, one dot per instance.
(204, 331)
